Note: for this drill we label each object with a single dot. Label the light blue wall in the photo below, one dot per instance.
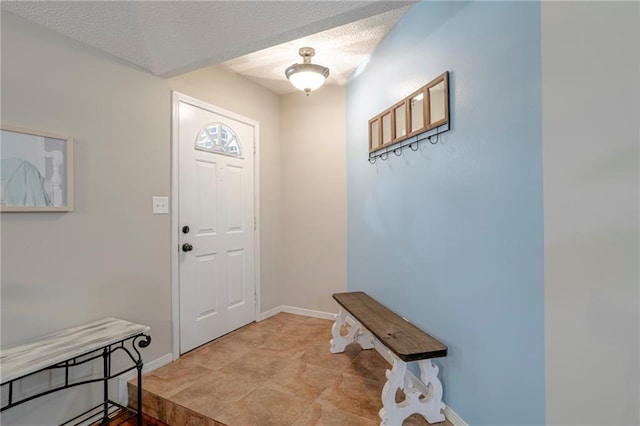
(451, 236)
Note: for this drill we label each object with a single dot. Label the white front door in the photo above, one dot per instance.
(216, 223)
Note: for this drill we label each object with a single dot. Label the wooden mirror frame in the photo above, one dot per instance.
(383, 128)
(395, 136)
(442, 78)
(406, 102)
(375, 121)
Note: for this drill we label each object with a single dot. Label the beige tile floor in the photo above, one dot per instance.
(275, 372)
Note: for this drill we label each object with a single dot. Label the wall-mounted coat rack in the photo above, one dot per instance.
(423, 115)
(432, 136)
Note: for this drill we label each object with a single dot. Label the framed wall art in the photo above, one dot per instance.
(36, 171)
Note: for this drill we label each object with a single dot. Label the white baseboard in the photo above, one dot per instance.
(451, 415)
(308, 312)
(123, 392)
(271, 312)
(298, 311)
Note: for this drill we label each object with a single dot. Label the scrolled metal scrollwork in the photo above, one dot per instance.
(146, 341)
(143, 343)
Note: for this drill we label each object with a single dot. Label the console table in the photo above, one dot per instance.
(70, 348)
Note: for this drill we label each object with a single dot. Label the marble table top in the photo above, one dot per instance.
(57, 347)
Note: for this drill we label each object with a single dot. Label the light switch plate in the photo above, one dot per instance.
(160, 205)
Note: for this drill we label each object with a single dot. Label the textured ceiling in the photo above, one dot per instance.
(172, 37)
(341, 49)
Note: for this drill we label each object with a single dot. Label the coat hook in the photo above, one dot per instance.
(437, 137)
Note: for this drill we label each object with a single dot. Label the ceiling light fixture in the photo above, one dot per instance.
(307, 76)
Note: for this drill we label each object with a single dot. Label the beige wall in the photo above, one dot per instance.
(314, 210)
(591, 201)
(111, 245)
(111, 256)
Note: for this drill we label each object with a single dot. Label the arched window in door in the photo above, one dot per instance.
(219, 138)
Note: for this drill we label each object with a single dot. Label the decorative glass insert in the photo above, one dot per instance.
(219, 138)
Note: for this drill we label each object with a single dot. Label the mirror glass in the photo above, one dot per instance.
(374, 135)
(401, 121)
(386, 128)
(416, 105)
(436, 103)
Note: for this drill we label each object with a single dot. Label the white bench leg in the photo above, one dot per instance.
(434, 407)
(355, 333)
(431, 406)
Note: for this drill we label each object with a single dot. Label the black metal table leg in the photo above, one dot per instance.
(144, 341)
(105, 369)
(139, 414)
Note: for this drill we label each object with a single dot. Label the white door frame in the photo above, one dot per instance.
(175, 203)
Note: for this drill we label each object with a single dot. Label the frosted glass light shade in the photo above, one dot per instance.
(307, 77)
(307, 80)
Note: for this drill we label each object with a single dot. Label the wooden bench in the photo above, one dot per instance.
(365, 321)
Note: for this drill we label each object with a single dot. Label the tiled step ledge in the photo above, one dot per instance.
(451, 415)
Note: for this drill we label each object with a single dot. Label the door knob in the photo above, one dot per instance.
(187, 247)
